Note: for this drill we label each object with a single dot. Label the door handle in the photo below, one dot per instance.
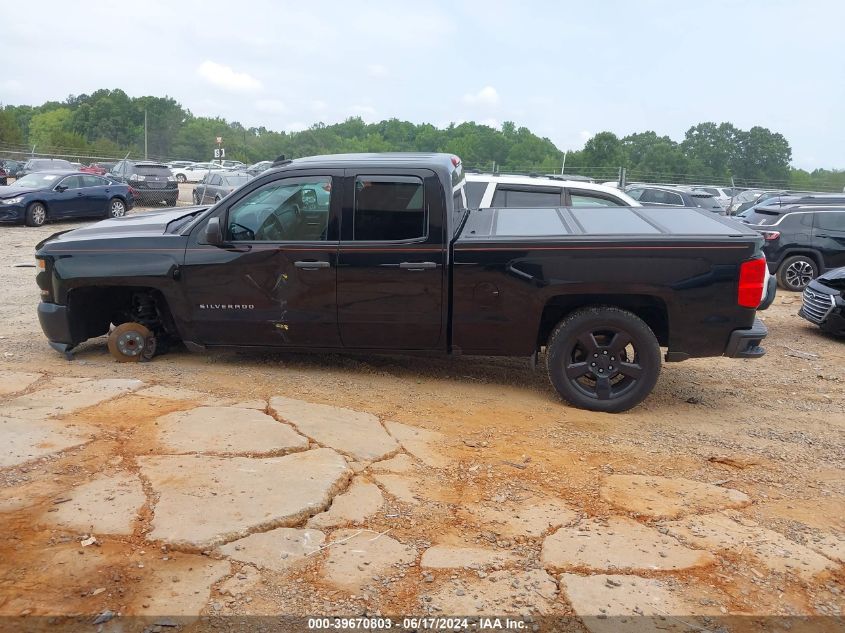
(417, 265)
(311, 265)
(822, 235)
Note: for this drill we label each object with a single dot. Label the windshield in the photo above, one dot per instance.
(236, 181)
(705, 202)
(36, 180)
(760, 216)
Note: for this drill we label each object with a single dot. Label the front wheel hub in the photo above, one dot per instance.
(130, 343)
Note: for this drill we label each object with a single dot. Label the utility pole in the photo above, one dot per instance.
(563, 166)
(145, 134)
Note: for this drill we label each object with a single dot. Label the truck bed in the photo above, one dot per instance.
(639, 223)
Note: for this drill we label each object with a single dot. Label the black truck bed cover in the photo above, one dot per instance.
(643, 223)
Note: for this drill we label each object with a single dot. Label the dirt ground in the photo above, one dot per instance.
(772, 429)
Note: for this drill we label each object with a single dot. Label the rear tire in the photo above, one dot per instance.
(796, 272)
(196, 198)
(180, 178)
(36, 214)
(603, 358)
(116, 208)
(171, 202)
(131, 342)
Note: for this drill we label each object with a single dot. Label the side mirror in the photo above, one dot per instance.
(213, 233)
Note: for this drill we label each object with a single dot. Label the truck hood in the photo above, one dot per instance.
(135, 225)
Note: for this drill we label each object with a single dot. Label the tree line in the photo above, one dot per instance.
(109, 123)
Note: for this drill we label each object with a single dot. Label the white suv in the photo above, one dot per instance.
(495, 190)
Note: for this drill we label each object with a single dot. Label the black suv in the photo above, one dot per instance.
(659, 196)
(801, 240)
(152, 182)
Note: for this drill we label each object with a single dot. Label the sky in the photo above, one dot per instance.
(565, 69)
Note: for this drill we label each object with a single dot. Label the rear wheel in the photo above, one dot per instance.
(603, 359)
(131, 342)
(181, 178)
(171, 202)
(196, 198)
(36, 214)
(796, 272)
(116, 208)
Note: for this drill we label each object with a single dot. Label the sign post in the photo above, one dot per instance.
(220, 151)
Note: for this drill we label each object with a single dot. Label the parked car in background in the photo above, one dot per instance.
(823, 302)
(58, 194)
(217, 185)
(259, 167)
(501, 190)
(229, 164)
(152, 182)
(98, 169)
(802, 241)
(194, 172)
(12, 167)
(662, 196)
(176, 164)
(44, 164)
(723, 195)
(3, 176)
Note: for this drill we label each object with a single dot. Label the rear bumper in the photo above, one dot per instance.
(771, 291)
(55, 323)
(745, 343)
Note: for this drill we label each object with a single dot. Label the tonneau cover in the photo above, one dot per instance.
(614, 222)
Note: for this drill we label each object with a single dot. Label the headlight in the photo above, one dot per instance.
(16, 200)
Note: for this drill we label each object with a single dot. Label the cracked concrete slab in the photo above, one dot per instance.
(720, 532)
(15, 381)
(502, 592)
(25, 439)
(72, 395)
(222, 430)
(355, 557)
(452, 557)
(108, 504)
(420, 443)
(360, 501)
(629, 604)
(280, 550)
(401, 463)
(355, 433)
(533, 518)
(618, 543)
(403, 488)
(166, 392)
(668, 497)
(185, 596)
(206, 501)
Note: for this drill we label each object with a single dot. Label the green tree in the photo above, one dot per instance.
(10, 131)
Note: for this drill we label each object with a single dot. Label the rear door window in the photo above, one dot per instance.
(389, 208)
(579, 198)
(527, 196)
(475, 193)
(830, 221)
(706, 202)
(152, 170)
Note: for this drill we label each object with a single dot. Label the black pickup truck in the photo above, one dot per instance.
(378, 253)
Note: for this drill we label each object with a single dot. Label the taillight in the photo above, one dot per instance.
(770, 236)
(455, 161)
(752, 276)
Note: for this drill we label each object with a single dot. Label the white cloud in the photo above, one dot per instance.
(491, 122)
(487, 96)
(377, 70)
(225, 77)
(296, 126)
(363, 110)
(270, 106)
(319, 106)
(585, 135)
(11, 85)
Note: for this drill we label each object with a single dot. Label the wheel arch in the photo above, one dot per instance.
(807, 252)
(651, 309)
